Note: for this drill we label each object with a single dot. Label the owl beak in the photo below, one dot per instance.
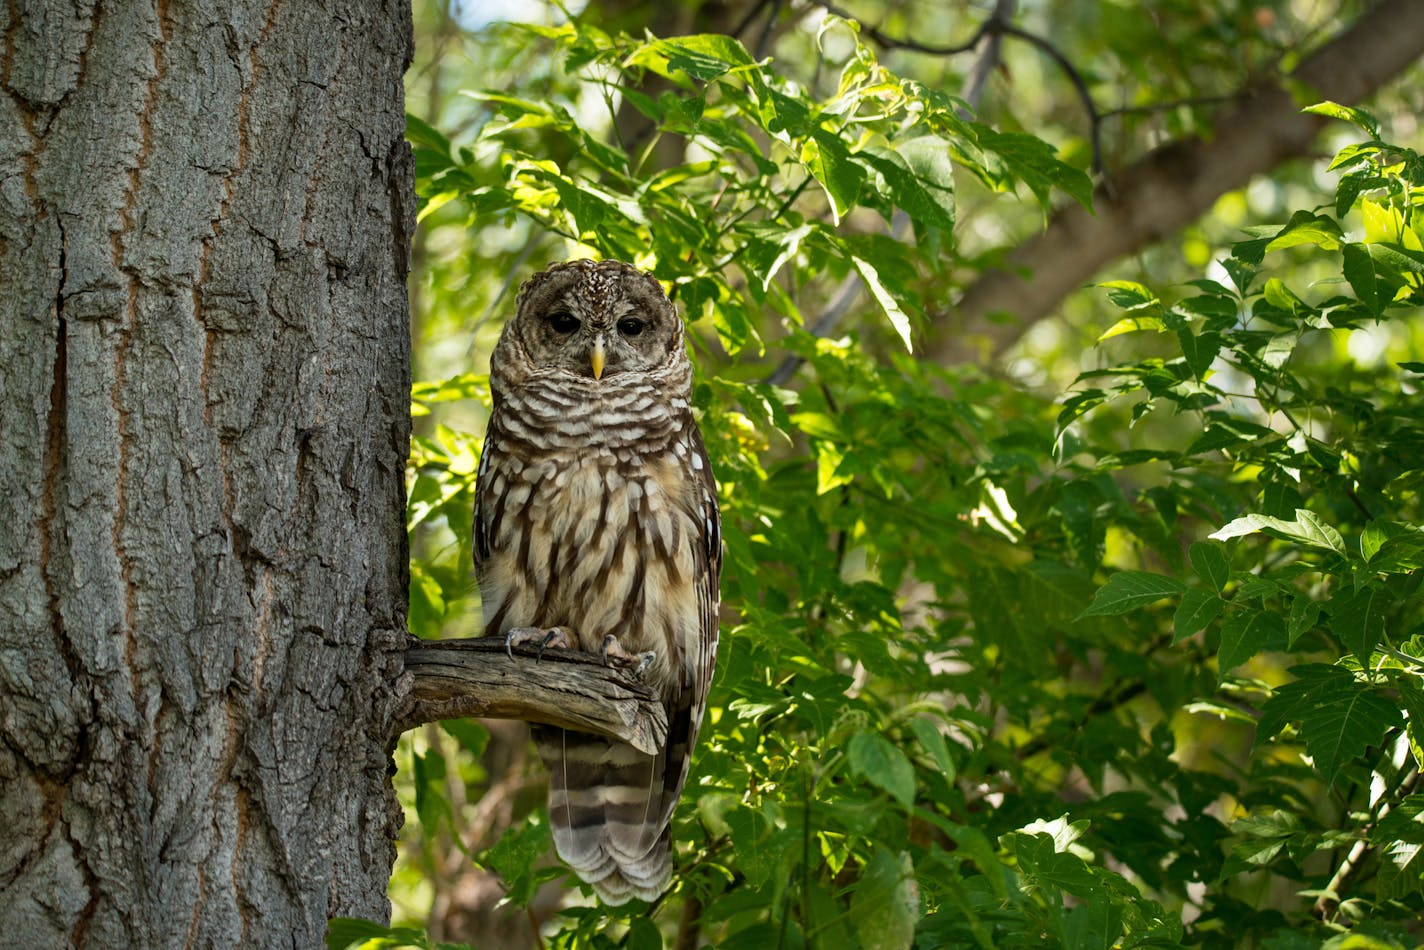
(596, 359)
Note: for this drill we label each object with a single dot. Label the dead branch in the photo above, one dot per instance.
(452, 679)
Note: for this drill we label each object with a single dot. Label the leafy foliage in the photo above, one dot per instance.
(997, 670)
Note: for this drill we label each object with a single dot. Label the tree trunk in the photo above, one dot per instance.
(205, 213)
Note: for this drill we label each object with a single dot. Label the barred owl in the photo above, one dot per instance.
(596, 528)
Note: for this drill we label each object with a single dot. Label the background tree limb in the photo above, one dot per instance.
(1173, 185)
(458, 678)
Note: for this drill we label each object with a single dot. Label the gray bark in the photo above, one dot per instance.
(451, 679)
(205, 211)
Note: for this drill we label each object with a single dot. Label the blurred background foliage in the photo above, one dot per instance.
(1095, 629)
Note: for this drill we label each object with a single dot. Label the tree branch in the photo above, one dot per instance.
(452, 679)
(1174, 185)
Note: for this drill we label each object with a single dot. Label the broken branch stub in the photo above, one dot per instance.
(451, 679)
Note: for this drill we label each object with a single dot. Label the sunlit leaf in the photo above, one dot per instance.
(876, 760)
(1128, 590)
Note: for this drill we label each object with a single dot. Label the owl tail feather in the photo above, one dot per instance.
(608, 815)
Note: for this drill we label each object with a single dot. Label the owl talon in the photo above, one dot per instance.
(559, 637)
(615, 654)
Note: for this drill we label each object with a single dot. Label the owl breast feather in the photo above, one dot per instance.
(598, 540)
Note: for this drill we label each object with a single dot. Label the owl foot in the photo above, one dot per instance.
(558, 637)
(614, 654)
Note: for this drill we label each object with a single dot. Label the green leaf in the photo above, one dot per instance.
(873, 758)
(469, 733)
(1306, 227)
(424, 135)
(1343, 724)
(1199, 350)
(932, 741)
(345, 932)
(1210, 563)
(753, 843)
(1034, 162)
(428, 778)
(886, 903)
(906, 189)
(1197, 609)
(1400, 555)
(1359, 269)
(830, 471)
(1041, 859)
(829, 162)
(929, 158)
(819, 425)
(1263, 837)
(1399, 839)
(1128, 590)
(1390, 547)
(1306, 528)
(1400, 260)
(1278, 295)
(1304, 615)
(1353, 114)
(898, 319)
(1289, 702)
(1129, 294)
(1357, 619)
(1243, 635)
(1412, 699)
(1339, 716)
(1376, 533)
(1226, 432)
(1132, 325)
(643, 934)
(702, 57)
(513, 857)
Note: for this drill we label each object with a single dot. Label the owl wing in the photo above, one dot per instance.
(486, 510)
(687, 707)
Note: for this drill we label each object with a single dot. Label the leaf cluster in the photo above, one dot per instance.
(999, 670)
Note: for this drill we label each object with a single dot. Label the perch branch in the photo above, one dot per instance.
(452, 679)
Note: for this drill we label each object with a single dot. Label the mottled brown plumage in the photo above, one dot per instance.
(596, 512)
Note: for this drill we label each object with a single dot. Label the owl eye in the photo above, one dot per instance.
(630, 326)
(562, 321)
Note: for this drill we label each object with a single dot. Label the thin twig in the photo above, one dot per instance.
(765, 40)
(1329, 899)
(1075, 77)
(751, 15)
(892, 42)
(1152, 108)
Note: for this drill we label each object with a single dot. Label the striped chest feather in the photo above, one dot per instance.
(589, 541)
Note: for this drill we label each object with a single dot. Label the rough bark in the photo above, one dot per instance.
(205, 212)
(1175, 184)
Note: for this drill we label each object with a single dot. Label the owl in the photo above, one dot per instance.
(596, 528)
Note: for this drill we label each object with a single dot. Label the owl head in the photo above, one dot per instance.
(605, 323)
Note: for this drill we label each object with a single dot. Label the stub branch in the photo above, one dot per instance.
(452, 679)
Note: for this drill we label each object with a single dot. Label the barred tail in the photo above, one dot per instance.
(610, 813)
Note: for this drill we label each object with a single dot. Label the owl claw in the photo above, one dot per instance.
(615, 654)
(558, 637)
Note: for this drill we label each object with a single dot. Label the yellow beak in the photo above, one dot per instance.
(597, 358)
